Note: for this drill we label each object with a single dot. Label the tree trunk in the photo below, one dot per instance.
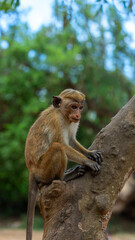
(81, 209)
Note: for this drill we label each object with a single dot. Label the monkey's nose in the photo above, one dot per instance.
(78, 116)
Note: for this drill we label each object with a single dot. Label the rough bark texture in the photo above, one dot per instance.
(81, 209)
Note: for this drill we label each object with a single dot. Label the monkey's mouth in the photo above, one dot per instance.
(75, 120)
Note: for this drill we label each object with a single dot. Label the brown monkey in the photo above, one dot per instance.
(51, 142)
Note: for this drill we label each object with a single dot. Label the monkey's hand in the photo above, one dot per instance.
(96, 156)
(94, 166)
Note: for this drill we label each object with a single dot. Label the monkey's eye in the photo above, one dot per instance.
(81, 108)
(74, 107)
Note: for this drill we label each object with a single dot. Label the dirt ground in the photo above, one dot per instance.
(18, 234)
(122, 237)
(12, 234)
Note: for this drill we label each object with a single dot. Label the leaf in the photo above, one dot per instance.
(9, 5)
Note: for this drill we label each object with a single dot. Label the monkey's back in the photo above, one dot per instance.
(40, 136)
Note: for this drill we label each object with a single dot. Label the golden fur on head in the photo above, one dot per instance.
(73, 94)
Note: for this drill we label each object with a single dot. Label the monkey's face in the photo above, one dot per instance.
(70, 108)
(75, 110)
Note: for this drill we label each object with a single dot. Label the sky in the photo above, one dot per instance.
(41, 13)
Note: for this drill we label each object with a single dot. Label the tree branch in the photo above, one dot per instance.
(81, 209)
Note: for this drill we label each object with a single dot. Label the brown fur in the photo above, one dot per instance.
(73, 94)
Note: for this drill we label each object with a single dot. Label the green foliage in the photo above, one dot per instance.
(34, 67)
(127, 4)
(38, 222)
(9, 5)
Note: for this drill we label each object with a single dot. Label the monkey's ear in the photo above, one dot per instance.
(56, 101)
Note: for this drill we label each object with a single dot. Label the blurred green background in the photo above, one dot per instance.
(87, 48)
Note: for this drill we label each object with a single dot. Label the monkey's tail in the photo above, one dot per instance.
(32, 196)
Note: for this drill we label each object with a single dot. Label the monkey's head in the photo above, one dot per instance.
(70, 102)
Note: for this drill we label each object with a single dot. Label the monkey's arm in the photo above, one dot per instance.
(75, 156)
(94, 155)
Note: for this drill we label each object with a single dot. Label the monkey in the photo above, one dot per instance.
(51, 142)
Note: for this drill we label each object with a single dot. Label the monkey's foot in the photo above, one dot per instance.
(75, 172)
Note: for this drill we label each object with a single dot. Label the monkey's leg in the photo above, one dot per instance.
(75, 172)
(52, 164)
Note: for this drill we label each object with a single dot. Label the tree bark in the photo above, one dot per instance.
(81, 209)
